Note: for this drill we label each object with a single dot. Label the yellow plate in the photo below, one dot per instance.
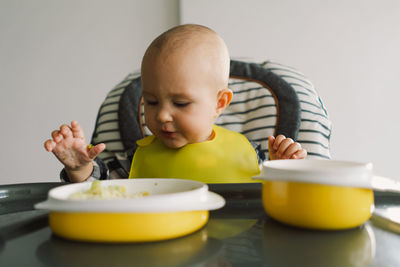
(173, 208)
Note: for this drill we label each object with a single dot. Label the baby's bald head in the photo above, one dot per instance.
(191, 44)
(185, 74)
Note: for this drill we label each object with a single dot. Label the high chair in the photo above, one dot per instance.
(268, 99)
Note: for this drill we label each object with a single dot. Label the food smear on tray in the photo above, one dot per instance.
(97, 191)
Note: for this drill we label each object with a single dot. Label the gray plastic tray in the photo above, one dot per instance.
(240, 234)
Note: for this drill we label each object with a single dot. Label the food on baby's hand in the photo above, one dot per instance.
(97, 191)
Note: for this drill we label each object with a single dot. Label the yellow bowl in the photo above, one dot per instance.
(317, 194)
(317, 206)
(172, 209)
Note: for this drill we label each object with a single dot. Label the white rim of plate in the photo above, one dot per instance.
(197, 199)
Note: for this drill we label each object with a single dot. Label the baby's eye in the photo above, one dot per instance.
(181, 104)
(151, 103)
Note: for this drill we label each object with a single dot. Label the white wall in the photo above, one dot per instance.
(349, 49)
(58, 59)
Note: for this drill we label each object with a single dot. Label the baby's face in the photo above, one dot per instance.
(180, 99)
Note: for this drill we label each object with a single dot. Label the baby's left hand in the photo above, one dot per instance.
(285, 148)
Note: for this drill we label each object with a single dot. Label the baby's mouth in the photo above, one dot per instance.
(168, 134)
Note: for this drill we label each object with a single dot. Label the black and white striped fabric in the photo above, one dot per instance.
(252, 112)
(315, 125)
(107, 128)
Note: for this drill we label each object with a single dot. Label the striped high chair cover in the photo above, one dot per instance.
(268, 99)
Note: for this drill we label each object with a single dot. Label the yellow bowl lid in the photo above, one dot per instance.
(330, 172)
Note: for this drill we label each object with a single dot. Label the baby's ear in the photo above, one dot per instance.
(224, 97)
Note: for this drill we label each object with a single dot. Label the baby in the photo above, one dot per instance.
(185, 74)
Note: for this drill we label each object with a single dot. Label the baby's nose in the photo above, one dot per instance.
(164, 115)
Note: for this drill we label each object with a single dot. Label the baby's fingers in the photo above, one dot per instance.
(57, 136)
(291, 150)
(278, 141)
(93, 151)
(283, 147)
(271, 150)
(271, 140)
(301, 154)
(77, 131)
(66, 131)
(49, 145)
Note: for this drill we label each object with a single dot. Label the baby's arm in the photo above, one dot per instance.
(285, 148)
(70, 148)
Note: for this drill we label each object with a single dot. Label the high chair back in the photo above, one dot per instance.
(268, 99)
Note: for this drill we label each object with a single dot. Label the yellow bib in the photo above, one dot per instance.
(227, 158)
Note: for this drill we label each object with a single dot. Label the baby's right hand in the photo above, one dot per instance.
(70, 148)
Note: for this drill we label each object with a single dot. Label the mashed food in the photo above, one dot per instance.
(97, 191)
